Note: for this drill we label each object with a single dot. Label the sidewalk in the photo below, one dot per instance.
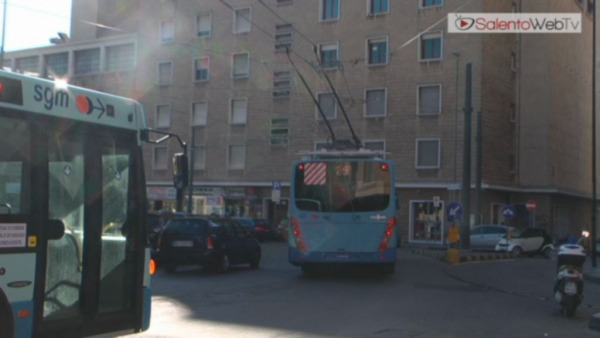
(592, 274)
(455, 256)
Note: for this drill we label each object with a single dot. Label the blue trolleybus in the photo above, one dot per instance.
(343, 210)
(73, 251)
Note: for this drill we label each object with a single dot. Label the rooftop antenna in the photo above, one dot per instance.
(333, 139)
(357, 142)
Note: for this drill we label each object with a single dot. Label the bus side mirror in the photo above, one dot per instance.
(180, 171)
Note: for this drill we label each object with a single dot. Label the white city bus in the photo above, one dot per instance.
(73, 251)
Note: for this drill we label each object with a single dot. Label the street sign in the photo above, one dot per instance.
(509, 211)
(454, 211)
(436, 201)
(276, 196)
(276, 185)
(531, 205)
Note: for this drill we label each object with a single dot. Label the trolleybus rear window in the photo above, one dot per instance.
(342, 186)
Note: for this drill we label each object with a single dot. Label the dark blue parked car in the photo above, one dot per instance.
(215, 243)
(259, 228)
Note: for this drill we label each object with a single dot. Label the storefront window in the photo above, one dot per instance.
(427, 221)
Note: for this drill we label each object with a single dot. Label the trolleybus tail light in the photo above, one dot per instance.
(210, 244)
(300, 166)
(260, 229)
(385, 167)
(298, 235)
(387, 236)
(23, 314)
(152, 267)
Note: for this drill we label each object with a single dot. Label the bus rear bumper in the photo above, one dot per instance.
(297, 257)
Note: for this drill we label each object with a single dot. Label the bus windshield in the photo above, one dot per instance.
(359, 186)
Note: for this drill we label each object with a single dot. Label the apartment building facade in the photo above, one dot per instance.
(218, 73)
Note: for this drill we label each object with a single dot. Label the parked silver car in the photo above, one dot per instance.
(485, 237)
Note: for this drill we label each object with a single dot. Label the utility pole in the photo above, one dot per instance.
(594, 155)
(3, 35)
(478, 169)
(191, 185)
(465, 231)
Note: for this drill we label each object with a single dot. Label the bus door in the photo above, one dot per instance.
(90, 276)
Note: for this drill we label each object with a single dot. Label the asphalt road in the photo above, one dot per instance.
(424, 298)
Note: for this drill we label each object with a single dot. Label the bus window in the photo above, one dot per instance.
(14, 171)
(342, 186)
(115, 282)
(66, 203)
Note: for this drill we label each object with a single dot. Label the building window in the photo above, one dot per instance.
(201, 69)
(284, 2)
(320, 145)
(165, 73)
(199, 153)
(428, 153)
(431, 3)
(204, 25)
(375, 145)
(280, 128)
(375, 102)
(330, 10)
(237, 156)
(328, 106)
(163, 116)
(167, 31)
(160, 158)
(87, 61)
(377, 51)
(27, 64)
(284, 37)
(328, 52)
(120, 57)
(431, 46)
(241, 65)
(282, 83)
(378, 6)
(56, 65)
(199, 113)
(242, 20)
(429, 98)
(239, 111)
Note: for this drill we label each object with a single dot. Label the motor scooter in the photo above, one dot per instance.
(568, 285)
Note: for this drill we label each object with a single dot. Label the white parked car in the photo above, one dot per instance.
(485, 237)
(529, 241)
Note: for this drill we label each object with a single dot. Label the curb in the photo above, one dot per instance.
(464, 257)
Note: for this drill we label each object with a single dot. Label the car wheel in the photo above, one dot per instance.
(255, 261)
(517, 251)
(223, 264)
(170, 267)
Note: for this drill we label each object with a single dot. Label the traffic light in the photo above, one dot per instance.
(180, 171)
